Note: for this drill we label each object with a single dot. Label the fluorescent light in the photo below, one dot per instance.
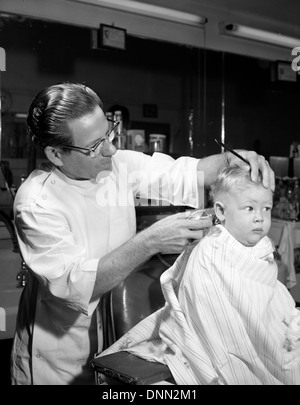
(150, 10)
(20, 115)
(242, 31)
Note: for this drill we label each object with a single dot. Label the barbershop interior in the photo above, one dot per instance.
(180, 78)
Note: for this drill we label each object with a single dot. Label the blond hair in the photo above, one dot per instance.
(231, 177)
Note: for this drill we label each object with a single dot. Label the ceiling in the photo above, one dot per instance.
(280, 16)
(284, 12)
(287, 11)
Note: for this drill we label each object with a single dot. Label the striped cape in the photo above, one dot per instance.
(227, 319)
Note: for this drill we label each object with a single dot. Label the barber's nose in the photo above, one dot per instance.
(108, 149)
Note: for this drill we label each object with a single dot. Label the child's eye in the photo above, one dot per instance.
(268, 209)
(249, 208)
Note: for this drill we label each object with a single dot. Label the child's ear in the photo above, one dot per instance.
(220, 211)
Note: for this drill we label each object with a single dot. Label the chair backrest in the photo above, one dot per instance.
(280, 165)
(134, 299)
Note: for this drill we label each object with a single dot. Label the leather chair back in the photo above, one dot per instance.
(134, 299)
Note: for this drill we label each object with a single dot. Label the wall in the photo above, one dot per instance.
(259, 114)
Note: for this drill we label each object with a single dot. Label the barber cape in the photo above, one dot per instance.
(227, 319)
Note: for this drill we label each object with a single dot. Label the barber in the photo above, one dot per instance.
(76, 227)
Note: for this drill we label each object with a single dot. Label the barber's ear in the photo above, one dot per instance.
(219, 210)
(53, 155)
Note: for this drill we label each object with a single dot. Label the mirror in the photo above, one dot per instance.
(157, 81)
(162, 84)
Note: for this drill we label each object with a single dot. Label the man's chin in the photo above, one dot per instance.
(103, 173)
(106, 165)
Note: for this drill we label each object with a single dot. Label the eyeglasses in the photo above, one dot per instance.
(95, 150)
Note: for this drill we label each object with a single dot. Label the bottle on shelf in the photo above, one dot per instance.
(290, 194)
(297, 198)
(284, 205)
(120, 138)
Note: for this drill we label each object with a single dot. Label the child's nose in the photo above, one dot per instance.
(259, 217)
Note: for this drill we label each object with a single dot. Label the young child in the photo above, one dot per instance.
(245, 318)
(227, 319)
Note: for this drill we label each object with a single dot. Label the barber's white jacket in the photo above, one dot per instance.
(64, 227)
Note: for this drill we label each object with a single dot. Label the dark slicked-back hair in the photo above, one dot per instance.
(54, 107)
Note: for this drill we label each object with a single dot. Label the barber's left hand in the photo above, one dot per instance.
(257, 164)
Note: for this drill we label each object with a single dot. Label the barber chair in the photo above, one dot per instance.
(122, 308)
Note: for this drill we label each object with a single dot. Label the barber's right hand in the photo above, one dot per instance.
(173, 233)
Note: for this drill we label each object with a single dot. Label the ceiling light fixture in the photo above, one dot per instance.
(242, 31)
(150, 10)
